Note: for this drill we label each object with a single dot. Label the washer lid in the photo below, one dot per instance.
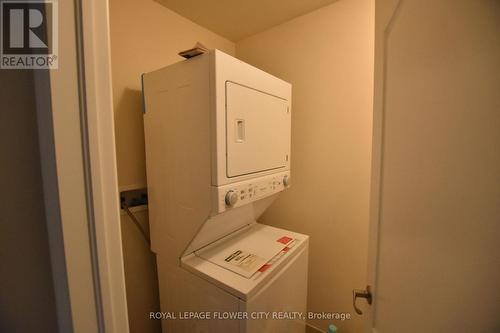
(246, 252)
(259, 240)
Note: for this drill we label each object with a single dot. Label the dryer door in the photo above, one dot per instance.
(257, 131)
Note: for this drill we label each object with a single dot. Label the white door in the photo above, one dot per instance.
(435, 220)
(257, 130)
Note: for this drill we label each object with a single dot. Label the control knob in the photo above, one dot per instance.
(286, 180)
(231, 198)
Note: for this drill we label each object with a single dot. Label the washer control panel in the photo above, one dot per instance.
(238, 194)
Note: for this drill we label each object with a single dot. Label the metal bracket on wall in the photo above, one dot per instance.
(134, 198)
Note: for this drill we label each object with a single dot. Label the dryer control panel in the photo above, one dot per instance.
(238, 194)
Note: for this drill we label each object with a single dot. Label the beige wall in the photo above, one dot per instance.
(27, 299)
(144, 36)
(328, 57)
(140, 275)
(439, 252)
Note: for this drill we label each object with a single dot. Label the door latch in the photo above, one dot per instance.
(361, 294)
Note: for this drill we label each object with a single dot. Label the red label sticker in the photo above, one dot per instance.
(284, 240)
(264, 268)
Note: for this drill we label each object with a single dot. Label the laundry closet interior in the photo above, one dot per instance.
(325, 50)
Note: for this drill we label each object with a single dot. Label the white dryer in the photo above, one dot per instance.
(218, 153)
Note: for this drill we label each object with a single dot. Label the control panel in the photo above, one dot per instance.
(238, 194)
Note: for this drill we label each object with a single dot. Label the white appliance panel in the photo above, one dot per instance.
(286, 292)
(257, 131)
(247, 252)
(237, 284)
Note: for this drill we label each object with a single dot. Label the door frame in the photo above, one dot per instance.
(76, 122)
(96, 58)
(385, 12)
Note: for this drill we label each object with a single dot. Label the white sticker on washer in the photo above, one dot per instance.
(244, 260)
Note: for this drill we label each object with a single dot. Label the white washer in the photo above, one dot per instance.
(218, 153)
(259, 266)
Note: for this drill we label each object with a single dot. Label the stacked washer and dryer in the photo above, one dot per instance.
(218, 153)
